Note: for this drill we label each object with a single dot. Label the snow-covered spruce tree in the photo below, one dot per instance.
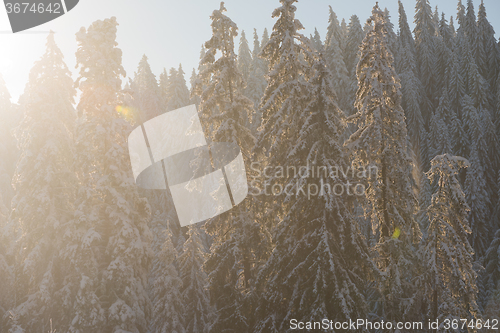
(411, 89)
(238, 240)
(256, 83)
(147, 94)
(194, 99)
(470, 28)
(355, 37)
(164, 215)
(8, 149)
(244, 57)
(344, 31)
(443, 54)
(460, 16)
(487, 54)
(424, 197)
(263, 43)
(177, 91)
(439, 136)
(168, 309)
(196, 82)
(405, 36)
(45, 184)
(411, 97)
(380, 142)
(425, 56)
(479, 203)
(491, 276)
(391, 36)
(6, 276)
(107, 246)
(456, 90)
(198, 312)
(287, 89)
(320, 264)
(316, 41)
(492, 307)
(333, 30)
(447, 255)
(446, 31)
(335, 60)
(163, 86)
(477, 191)
(220, 86)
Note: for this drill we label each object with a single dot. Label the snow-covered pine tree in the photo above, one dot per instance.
(198, 311)
(194, 99)
(164, 215)
(316, 41)
(367, 26)
(448, 257)
(177, 91)
(163, 86)
(238, 240)
(424, 198)
(411, 93)
(380, 142)
(45, 185)
(107, 249)
(265, 62)
(425, 56)
(244, 57)
(488, 52)
(8, 150)
(168, 308)
(470, 28)
(6, 276)
(256, 83)
(284, 97)
(257, 61)
(334, 30)
(452, 26)
(477, 87)
(391, 36)
(491, 276)
(493, 305)
(405, 36)
(197, 82)
(344, 30)
(487, 55)
(263, 43)
(355, 37)
(456, 90)
(445, 31)
(460, 16)
(479, 203)
(435, 21)
(220, 86)
(335, 60)
(147, 94)
(439, 137)
(477, 191)
(320, 264)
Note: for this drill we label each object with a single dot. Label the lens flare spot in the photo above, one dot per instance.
(396, 233)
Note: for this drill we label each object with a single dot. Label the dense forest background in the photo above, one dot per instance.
(83, 249)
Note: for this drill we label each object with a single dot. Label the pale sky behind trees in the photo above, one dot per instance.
(171, 32)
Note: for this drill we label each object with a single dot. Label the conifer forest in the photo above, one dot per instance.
(372, 154)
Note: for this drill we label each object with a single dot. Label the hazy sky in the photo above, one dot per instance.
(171, 32)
